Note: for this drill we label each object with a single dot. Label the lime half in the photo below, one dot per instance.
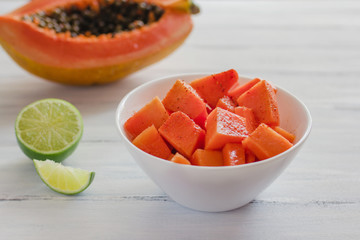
(61, 179)
(49, 129)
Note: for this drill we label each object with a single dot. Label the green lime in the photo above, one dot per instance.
(49, 129)
(61, 179)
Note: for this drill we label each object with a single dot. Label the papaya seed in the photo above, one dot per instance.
(110, 18)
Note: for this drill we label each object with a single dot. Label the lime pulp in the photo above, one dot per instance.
(49, 129)
(61, 179)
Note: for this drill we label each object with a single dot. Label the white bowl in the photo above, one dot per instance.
(213, 189)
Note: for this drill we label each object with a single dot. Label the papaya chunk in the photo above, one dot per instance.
(250, 157)
(208, 108)
(178, 158)
(248, 114)
(212, 88)
(238, 89)
(182, 97)
(226, 103)
(151, 142)
(153, 113)
(210, 158)
(233, 154)
(183, 133)
(171, 156)
(289, 136)
(265, 143)
(223, 127)
(262, 100)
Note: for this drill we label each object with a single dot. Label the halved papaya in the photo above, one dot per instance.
(85, 42)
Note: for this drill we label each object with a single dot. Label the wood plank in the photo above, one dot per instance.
(165, 219)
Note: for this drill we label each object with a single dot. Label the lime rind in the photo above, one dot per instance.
(27, 129)
(60, 177)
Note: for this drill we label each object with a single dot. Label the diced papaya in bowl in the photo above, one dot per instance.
(214, 187)
(197, 124)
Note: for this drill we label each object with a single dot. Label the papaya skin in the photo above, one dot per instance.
(86, 76)
(93, 60)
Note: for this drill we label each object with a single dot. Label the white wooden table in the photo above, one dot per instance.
(311, 48)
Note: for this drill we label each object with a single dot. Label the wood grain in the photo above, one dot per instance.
(311, 48)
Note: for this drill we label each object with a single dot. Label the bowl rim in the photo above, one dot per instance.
(120, 129)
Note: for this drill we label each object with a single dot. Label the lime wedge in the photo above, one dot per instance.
(49, 129)
(61, 179)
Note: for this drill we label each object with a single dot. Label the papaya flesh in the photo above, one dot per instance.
(75, 41)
